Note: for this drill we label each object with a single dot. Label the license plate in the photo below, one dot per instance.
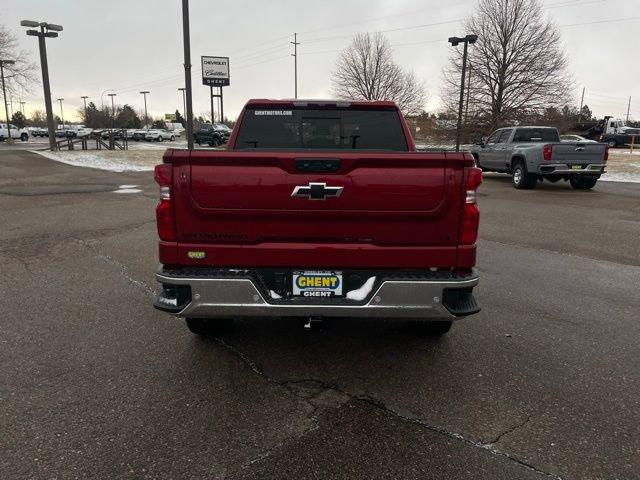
(317, 284)
(576, 167)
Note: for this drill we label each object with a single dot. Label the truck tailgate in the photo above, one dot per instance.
(394, 209)
(578, 152)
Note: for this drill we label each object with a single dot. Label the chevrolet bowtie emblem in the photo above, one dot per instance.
(316, 191)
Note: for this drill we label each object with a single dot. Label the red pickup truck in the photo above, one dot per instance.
(317, 209)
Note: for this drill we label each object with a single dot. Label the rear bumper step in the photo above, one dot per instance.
(234, 293)
(563, 169)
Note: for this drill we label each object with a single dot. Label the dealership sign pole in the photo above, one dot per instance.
(215, 73)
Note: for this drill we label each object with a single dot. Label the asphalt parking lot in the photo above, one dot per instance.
(95, 383)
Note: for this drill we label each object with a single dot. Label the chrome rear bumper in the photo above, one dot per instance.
(564, 169)
(240, 297)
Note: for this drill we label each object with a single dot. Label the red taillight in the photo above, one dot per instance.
(165, 218)
(547, 150)
(606, 153)
(470, 215)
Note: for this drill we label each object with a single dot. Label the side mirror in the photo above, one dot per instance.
(482, 142)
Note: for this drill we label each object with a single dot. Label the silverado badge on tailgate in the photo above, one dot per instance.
(317, 284)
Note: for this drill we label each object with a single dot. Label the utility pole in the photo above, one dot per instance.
(295, 64)
(187, 71)
(184, 102)
(628, 108)
(61, 111)
(454, 41)
(466, 105)
(47, 30)
(4, 96)
(84, 99)
(581, 104)
(113, 110)
(146, 117)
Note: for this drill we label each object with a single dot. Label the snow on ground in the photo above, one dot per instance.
(111, 160)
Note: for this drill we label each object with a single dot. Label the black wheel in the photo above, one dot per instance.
(160, 138)
(522, 180)
(435, 328)
(24, 137)
(583, 183)
(216, 142)
(209, 326)
(172, 138)
(612, 143)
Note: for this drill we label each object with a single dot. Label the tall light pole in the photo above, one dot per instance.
(113, 111)
(84, 99)
(184, 100)
(61, 111)
(187, 71)
(454, 41)
(146, 118)
(295, 44)
(47, 30)
(4, 96)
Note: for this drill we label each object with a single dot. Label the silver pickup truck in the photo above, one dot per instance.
(533, 154)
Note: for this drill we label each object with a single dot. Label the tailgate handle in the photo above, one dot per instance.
(326, 165)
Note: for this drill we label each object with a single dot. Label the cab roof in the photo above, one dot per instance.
(300, 102)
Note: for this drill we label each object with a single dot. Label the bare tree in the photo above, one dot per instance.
(20, 76)
(38, 118)
(366, 71)
(517, 68)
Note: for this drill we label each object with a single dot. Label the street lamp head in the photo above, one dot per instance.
(51, 34)
(454, 41)
(60, 99)
(29, 23)
(33, 33)
(471, 38)
(182, 89)
(53, 27)
(84, 96)
(145, 92)
(7, 62)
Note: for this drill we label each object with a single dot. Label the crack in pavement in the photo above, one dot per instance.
(286, 384)
(509, 430)
(124, 271)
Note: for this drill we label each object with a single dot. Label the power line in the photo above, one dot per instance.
(628, 19)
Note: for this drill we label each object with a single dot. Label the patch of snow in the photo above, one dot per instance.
(128, 190)
(97, 159)
(632, 177)
(361, 293)
(127, 186)
(274, 295)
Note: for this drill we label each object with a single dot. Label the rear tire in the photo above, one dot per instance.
(209, 326)
(433, 329)
(521, 179)
(172, 138)
(612, 143)
(583, 183)
(160, 139)
(24, 137)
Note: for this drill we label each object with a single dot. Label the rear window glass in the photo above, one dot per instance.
(536, 135)
(321, 130)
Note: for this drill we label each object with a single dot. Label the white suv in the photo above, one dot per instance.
(16, 132)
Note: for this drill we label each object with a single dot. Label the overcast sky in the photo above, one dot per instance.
(128, 46)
